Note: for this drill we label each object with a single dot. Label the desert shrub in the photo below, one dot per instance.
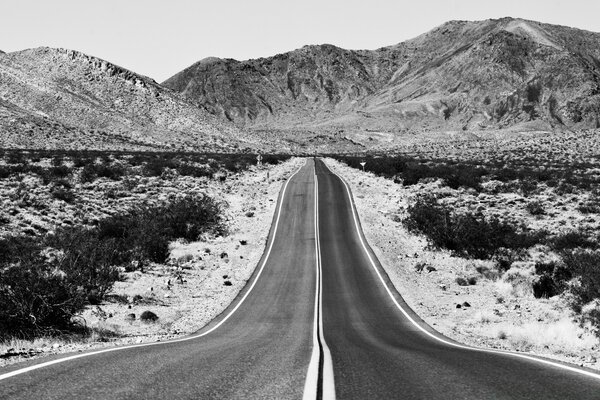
(16, 157)
(64, 194)
(40, 292)
(88, 260)
(504, 258)
(590, 207)
(571, 240)
(465, 234)
(35, 297)
(552, 279)
(90, 172)
(145, 232)
(535, 208)
(156, 166)
(544, 287)
(185, 169)
(60, 171)
(110, 171)
(584, 265)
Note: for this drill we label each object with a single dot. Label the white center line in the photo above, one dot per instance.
(311, 386)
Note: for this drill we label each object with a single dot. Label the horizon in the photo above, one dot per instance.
(129, 34)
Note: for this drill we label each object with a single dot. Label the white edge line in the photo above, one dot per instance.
(62, 360)
(312, 374)
(328, 376)
(415, 323)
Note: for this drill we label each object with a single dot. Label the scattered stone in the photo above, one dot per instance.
(430, 268)
(249, 214)
(227, 283)
(243, 242)
(466, 304)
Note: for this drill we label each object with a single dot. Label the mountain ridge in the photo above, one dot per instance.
(62, 98)
(461, 75)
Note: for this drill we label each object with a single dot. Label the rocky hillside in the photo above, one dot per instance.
(55, 98)
(461, 76)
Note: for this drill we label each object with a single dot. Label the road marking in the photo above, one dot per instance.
(70, 358)
(311, 386)
(425, 331)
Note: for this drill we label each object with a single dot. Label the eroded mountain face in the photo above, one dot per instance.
(55, 98)
(462, 76)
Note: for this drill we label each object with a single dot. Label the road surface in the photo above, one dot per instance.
(318, 319)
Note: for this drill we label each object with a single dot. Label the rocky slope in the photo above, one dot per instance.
(56, 98)
(460, 76)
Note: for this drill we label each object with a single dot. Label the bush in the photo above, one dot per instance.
(535, 208)
(465, 234)
(63, 194)
(553, 278)
(571, 240)
(35, 297)
(584, 264)
(44, 282)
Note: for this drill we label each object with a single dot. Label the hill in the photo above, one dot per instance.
(56, 98)
(460, 76)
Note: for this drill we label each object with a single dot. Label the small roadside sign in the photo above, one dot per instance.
(363, 163)
(258, 160)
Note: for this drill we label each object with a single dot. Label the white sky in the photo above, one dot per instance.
(159, 38)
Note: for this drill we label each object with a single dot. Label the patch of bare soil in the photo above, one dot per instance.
(465, 299)
(199, 280)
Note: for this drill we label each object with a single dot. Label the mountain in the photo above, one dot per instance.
(460, 76)
(56, 98)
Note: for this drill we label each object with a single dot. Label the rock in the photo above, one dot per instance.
(249, 214)
(458, 306)
(431, 269)
(243, 242)
(148, 316)
(466, 304)
(443, 287)
(130, 317)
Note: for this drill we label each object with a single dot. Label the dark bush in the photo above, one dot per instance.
(148, 316)
(35, 296)
(466, 234)
(544, 287)
(535, 208)
(63, 194)
(585, 267)
(571, 240)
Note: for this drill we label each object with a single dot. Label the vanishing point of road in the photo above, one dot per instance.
(318, 319)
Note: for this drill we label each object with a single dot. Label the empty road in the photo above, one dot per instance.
(318, 319)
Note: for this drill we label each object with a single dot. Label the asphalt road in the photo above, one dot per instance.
(315, 289)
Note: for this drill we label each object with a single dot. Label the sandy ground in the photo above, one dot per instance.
(200, 280)
(495, 312)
